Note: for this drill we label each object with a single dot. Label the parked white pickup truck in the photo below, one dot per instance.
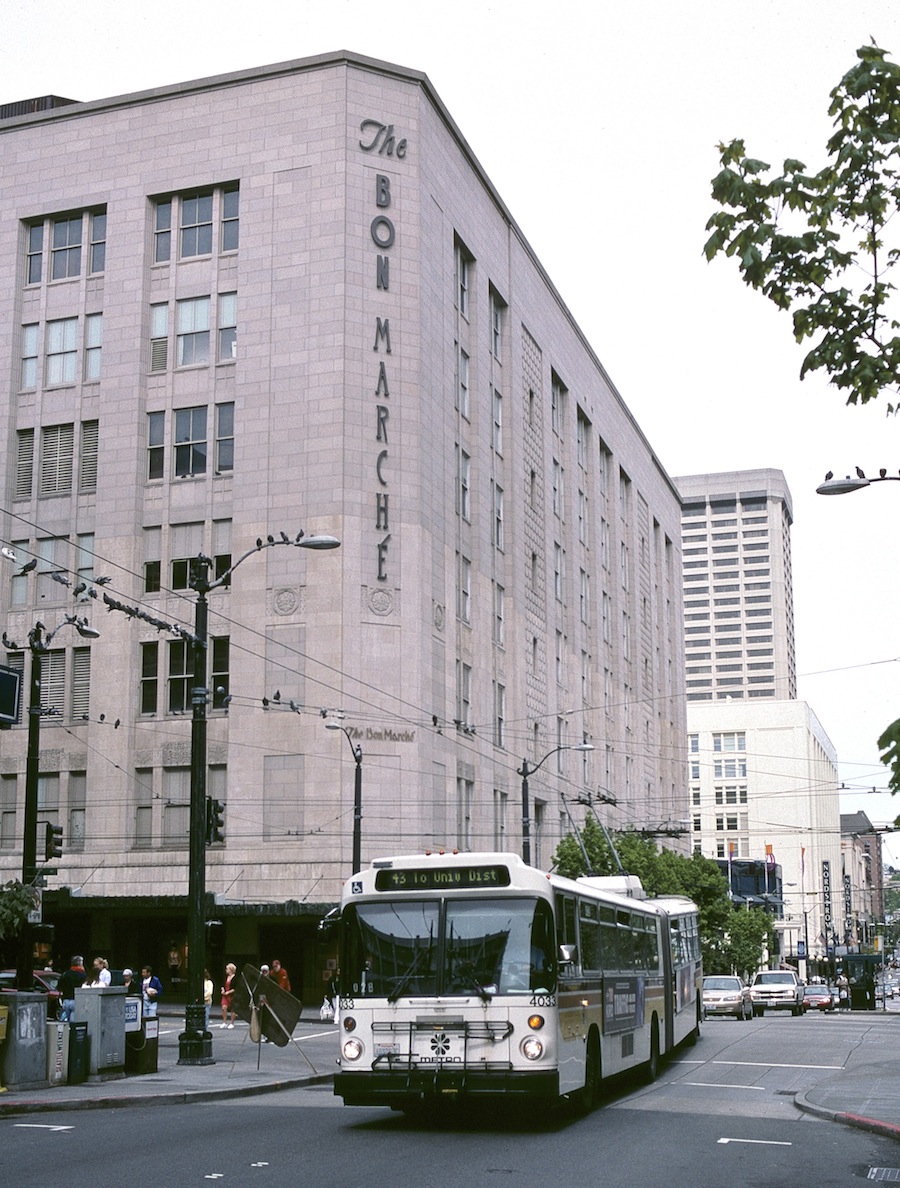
(776, 990)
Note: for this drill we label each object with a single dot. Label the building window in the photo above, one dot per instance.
(463, 694)
(192, 332)
(156, 451)
(463, 270)
(499, 713)
(29, 356)
(557, 402)
(584, 597)
(464, 593)
(499, 615)
(181, 676)
(231, 225)
(80, 703)
(176, 825)
(227, 327)
(87, 462)
(219, 677)
(557, 481)
(190, 442)
(195, 215)
(34, 254)
(93, 343)
(558, 571)
(498, 422)
(62, 344)
(462, 386)
(498, 518)
(501, 806)
(224, 438)
(159, 337)
(465, 792)
(581, 440)
(196, 224)
(582, 517)
(98, 242)
(24, 463)
(65, 252)
(463, 483)
(57, 451)
(498, 308)
(731, 741)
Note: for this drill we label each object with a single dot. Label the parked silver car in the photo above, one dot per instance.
(726, 995)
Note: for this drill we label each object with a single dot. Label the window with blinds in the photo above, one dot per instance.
(57, 453)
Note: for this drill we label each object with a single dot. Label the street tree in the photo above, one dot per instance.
(825, 245)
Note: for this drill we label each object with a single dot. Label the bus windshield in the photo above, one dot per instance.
(459, 947)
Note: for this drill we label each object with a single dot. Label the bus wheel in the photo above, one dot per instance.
(651, 1068)
(587, 1099)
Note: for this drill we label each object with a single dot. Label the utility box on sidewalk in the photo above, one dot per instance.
(142, 1049)
(103, 1009)
(79, 1047)
(24, 1053)
(57, 1052)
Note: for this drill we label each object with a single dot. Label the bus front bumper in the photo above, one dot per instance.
(407, 1086)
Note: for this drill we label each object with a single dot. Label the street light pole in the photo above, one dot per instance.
(195, 1042)
(525, 771)
(38, 645)
(357, 795)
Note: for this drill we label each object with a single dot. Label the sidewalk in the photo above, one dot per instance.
(241, 1068)
(865, 1093)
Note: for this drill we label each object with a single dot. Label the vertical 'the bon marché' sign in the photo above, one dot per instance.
(380, 140)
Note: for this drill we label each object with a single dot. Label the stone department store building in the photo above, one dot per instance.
(283, 299)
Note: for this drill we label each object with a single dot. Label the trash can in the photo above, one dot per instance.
(79, 1053)
(57, 1052)
(142, 1049)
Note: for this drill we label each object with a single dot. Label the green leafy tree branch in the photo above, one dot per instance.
(16, 901)
(822, 244)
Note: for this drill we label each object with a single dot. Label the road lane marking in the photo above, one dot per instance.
(757, 1142)
(716, 1085)
(40, 1126)
(769, 1064)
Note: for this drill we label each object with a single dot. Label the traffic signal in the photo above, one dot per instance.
(215, 821)
(53, 841)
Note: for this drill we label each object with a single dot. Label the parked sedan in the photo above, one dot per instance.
(817, 998)
(725, 995)
(44, 983)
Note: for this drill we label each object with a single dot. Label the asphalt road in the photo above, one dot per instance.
(720, 1116)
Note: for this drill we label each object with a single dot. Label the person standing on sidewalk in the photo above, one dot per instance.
(228, 997)
(280, 975)
(843, 989)
(72, 980)
(151, 990)
(207, 998)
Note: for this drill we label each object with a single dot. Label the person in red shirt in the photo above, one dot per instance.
(280, 975)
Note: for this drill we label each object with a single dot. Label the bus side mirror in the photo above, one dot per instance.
(567, 954)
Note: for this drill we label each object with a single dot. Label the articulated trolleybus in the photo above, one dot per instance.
(467, 976)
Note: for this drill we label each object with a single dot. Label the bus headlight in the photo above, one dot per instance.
(352, 1049)
(532, 1048)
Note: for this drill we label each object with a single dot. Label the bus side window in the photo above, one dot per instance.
(566, 933)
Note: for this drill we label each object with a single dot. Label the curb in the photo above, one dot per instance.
(177, 1097)
(859, 1121)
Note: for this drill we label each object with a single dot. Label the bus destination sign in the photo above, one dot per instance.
(430, 878)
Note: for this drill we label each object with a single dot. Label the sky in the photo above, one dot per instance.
(597, 122)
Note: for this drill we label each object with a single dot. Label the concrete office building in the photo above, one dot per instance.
(284, 299)
(763, 772)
